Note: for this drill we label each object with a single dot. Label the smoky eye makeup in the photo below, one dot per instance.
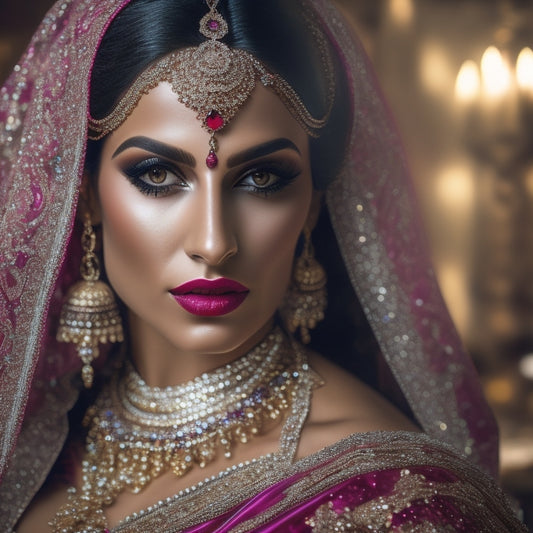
(268, 178)
(155, 176)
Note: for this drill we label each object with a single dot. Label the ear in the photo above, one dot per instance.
(314, 210)
(88, 200)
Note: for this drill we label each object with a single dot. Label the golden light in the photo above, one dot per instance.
(528, 181)
(516, 454)
(435, 70)
(455, 192)
(499, 390)
(524, 69)
(452, 282)
(495, 73)
(455, 187)
(526, 366)
(468, 83)
(402, 11)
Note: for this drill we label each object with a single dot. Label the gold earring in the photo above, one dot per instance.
(306, 298)
(89, 315)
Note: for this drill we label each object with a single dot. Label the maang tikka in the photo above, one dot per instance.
(89, 315)
(215, 81)
(306, 298)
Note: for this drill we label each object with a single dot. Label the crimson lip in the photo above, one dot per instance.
(205, 297)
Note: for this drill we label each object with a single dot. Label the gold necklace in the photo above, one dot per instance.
(137, 432)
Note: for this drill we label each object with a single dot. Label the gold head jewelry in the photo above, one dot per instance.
(90, 315)
(215, 81)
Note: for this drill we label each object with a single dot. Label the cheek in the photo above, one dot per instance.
(129, 246)
(274, 235)
(270, 237)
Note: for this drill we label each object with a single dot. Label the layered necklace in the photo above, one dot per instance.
(137, 432)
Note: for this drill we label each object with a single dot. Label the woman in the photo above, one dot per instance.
(213, 131)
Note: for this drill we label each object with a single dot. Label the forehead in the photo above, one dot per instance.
(160, 114)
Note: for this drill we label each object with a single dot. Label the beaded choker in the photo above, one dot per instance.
(215, 81)
(137, 432)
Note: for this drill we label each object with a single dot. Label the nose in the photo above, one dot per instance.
(211, 238)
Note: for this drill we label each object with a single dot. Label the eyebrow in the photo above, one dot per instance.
(176, 154)
(260, 150)
(157, 147)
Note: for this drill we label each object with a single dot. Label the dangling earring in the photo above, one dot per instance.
(306, 298)
(90, 315)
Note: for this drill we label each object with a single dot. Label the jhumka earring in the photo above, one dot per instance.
(89, 315)
(306, 298)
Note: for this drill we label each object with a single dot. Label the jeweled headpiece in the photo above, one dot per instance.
(215, 81)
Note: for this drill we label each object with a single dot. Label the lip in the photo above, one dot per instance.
(210, 297)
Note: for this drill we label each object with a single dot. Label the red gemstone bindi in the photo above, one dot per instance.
(213, 25)
(214, 120)
(211, 160)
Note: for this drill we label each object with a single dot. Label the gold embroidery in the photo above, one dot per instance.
(377, 515)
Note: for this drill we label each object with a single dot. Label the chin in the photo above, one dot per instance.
(219, 336)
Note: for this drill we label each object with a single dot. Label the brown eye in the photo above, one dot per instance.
(261, 179)
(157, 175)
(265, 181)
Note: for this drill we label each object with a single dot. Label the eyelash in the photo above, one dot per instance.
(285, 173)
(135, 172)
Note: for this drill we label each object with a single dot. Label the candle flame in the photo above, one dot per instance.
(435, 71)
(455, 187)
(526, 366)
(495, 73)
(524, 69)
(467, 85)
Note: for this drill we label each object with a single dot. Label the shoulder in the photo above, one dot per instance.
(344, 405)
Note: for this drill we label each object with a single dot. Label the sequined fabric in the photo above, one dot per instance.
(399, 482)
(43, 121)
(43, 108)
(381, 239)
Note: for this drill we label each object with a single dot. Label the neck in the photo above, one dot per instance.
(161, 363)
(137, 432)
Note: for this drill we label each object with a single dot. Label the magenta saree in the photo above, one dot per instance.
(362, 483)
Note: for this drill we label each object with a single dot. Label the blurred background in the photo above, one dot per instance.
(458, 75)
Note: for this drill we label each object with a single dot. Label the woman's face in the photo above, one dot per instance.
(168, 220)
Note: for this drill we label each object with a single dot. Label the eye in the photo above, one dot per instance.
(263, 179)
(267, 181)
(155, 177)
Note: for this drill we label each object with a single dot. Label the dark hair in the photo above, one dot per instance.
(275, 31)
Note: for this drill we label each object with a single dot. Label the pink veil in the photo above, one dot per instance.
(43, 120)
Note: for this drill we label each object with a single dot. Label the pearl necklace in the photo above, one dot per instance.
(137, 432)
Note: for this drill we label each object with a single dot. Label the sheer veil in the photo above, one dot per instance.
(43, 120)
(379, 231)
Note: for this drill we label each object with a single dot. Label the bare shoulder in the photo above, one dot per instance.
(345, 405)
